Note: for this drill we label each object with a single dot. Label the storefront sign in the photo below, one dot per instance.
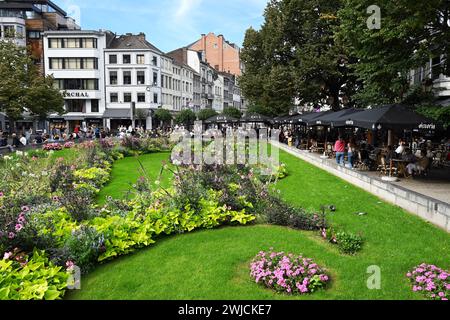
(349, 122)
(426, 126)
(76, 94)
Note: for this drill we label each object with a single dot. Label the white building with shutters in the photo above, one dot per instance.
(133, 78)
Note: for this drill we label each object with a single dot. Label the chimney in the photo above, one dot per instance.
(141, 36)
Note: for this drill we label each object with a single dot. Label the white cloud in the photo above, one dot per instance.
(186, 7)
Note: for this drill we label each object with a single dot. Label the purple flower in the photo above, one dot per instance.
(21, 220)
(25, 209)
(1, 194)
(18, 227)
(11, 235)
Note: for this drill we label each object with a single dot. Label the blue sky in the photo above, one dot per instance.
(169, 24)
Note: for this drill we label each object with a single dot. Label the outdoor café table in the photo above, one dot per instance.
(401, 166)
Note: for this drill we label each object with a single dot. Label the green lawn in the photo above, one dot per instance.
(127, 171)
(215, 264)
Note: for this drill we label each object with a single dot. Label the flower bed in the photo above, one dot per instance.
(431, 281)
(287, 273)
(53, 146)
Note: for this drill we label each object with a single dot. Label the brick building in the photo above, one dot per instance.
(219, 53)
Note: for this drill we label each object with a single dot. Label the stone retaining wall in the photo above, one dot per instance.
(429, 209)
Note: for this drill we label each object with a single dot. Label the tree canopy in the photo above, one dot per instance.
(205, 114)
(164, 116)
(23, 88)
(323, 53)
(186, 117)
(232, 112)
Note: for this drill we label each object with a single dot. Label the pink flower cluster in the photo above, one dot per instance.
(69, 145)
(288, 273)
(53, 146)
(431, 281)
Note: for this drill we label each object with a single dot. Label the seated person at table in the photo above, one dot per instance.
(364, 155)
(420, 166)
(408, 156)
(401, 148)
(390, 154)
(314, 145)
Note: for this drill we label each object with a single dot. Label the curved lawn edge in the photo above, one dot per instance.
(395, 241)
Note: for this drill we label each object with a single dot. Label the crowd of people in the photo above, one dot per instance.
(358, 150)
(60, 134)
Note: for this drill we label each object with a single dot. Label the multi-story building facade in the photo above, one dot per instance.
(219, 53)
(191, 60)
(27, 20)
(12, 26)
(176, 86)
(187, 87)
(167, 83)
(430, 75)
(75, 59)
(218, 102)
(133, 80)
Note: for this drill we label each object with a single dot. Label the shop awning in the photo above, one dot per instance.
(117, 114)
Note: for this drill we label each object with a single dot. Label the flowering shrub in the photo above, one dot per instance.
(53, 146)
(69, 145)
(431, 281)
(286, 273)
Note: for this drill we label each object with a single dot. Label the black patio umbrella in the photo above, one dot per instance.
(310, 119)
(330, 118)
(221, 118)
(387, 117)
(281, 119)
(255, 118)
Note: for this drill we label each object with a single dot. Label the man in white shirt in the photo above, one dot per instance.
(23, 140)
(401, 148)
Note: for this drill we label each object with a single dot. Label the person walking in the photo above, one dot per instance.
(339, 148)
(351, 149)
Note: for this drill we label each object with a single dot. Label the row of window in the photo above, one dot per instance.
(80, 105)
(127, 78)
(174, 84)
(72, 43)
(76, 84)
(73, 63)
(11, 31)
(126, 59)
(127, 97)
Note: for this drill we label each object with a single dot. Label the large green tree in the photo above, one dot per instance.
(164, 116)
(411, 32)
(205, 114)
(295, 58)
(232, 112)
(186, 117)
(22, 87)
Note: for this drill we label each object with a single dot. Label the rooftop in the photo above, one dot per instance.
(132, 42)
